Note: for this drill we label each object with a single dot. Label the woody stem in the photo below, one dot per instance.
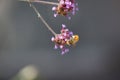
(40, 17)
(40, 1)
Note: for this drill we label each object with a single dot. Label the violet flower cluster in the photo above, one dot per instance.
(62, 40)
(64, 7)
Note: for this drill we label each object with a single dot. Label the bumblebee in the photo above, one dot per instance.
(73, 40)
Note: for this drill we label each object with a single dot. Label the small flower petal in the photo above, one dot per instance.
(52, 39)
(54, 8)
(55, 47)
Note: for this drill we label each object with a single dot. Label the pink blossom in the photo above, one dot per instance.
(61, 39)
(64, 7)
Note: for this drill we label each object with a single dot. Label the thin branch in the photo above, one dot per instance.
(39, 1)
(40, 17)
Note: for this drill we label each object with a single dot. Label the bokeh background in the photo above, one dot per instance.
(25, 41)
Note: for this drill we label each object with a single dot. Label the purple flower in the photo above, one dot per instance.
(61, 39)
(64, 7)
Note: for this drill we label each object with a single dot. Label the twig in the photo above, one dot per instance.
(39, 1)
(40, 17)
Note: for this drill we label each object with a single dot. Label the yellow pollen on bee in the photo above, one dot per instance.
(76, 38)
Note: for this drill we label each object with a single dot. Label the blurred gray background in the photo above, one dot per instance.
(25, 40)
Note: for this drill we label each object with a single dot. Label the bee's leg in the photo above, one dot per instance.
(68, 43)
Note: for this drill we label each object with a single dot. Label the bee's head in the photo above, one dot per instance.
(76, 38)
